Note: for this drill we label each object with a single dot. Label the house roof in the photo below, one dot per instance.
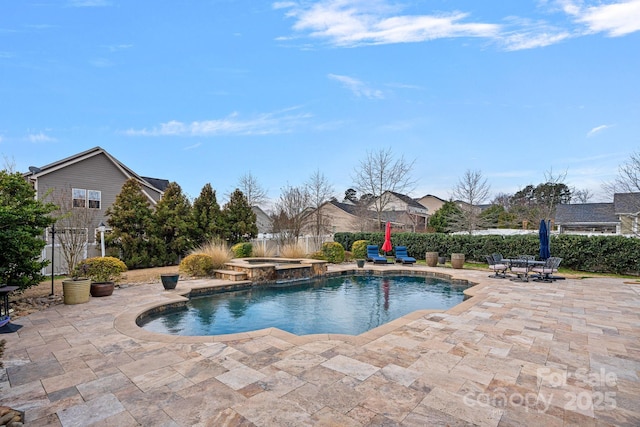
(408, 200)
(155, 183)
(626, 203)
(160, 184)
(431, 195)
(591, 213)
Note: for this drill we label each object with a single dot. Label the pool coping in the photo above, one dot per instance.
(126, 323)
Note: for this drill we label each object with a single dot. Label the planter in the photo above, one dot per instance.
(442, 260)
(431, 258)
(457, 260)
(169, 281)
(360, 263)
(76, 291)
(102, 289)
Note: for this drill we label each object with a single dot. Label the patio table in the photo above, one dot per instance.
(522, 262)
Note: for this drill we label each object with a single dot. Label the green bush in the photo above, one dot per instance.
(242, 250)
(333, 252)
(598, 254)
(197, 265)
(319, 255)
(100, 269)
(359, 249)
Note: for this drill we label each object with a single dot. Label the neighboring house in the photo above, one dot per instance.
(431, 202)
(404, 211)
(264, 223)
(587, 218)
(92, 178)
(619, 217)
(627, 207)
(344, 217)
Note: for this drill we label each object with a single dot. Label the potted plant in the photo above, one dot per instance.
(359, 251)
(169, 280)
(103, 272)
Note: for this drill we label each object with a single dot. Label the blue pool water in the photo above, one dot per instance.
(340, 305)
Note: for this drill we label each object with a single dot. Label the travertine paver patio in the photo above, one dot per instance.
(552, 354)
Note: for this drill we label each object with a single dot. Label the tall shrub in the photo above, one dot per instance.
(130, 219)
(23, 220)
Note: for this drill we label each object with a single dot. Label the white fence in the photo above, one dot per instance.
(59, 266)
(310, 244)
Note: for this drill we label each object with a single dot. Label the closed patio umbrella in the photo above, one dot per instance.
(386, 247)
(544, 240)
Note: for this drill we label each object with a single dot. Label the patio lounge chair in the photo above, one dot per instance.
(373, 255)
(499, 269)
(545, 272)
(402, 255)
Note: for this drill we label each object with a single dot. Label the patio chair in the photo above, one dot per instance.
(499, 269)
(521, 267)
(402, 255)
(373, 255)
(545, 272)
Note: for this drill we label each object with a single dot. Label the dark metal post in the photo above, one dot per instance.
(53, 254)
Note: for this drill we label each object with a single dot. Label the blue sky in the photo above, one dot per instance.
(206, 91)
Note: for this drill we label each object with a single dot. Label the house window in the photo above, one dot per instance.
(94, 197)
(86, 198)
(79, 198)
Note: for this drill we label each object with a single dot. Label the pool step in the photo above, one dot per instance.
(234, 276)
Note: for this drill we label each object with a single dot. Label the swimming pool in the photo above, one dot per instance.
(339, 305)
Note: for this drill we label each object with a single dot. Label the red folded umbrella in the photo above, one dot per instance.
(386, 247)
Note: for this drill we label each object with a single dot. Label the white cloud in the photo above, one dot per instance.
(597, 129)
(357, 22)
(357, 87)
(194, 146)
(351, 23)
(262, 124)
(39, 137)
(616, 19)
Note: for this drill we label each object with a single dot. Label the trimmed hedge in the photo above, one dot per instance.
(242, 250)
(598, 254)
(333, 252)
(197, 265)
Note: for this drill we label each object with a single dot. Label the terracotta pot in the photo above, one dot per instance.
(457, 260)
(102, 289)
(431, 258)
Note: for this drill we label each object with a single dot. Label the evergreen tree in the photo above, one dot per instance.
(172, 224)
(441, 218)
(130, 219)
(22, 222)
(238, 219)
(206, 215)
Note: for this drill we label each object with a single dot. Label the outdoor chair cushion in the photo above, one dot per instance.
(402, 255)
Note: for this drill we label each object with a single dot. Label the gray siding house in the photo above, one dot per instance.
(619, 217)
(91, 179)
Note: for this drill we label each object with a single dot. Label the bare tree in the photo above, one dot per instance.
(319, 191)
(72, 226)
(628, 179)
(9, 164)
(290, 213)
(254, 192)
(473, 190)
(581, 196)
(379, 172)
